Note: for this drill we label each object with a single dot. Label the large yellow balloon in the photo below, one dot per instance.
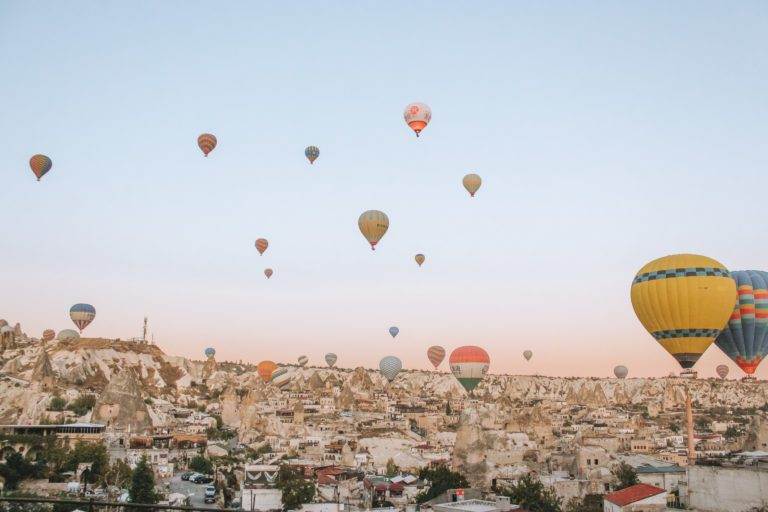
(373, 224)
(684, 301)
(472, 183)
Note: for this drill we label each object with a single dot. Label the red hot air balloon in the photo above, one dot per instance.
(268, 272)
(261, 245)
(207, 142)
(436, 354)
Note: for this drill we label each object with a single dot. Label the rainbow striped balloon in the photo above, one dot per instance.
(436, 354)
(206, 142)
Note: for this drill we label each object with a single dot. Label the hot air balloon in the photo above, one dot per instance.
(373, 224)
(268, 272)
(745, 337)
(312, 152)
(206, 142)
(330, 358)
(722, 371)
(436, 354)
(40, 164)
(417, 116)
(261, 245)
(265, 369)
(210, 352)
(67, 334)
(472, 183)
(280, 377)
(419, 259)
(303, 360)
(48, 335)
(82, 315)
(393, 331)
(527, 354)
(469, 365)
(389, 367)
(621, 372)
(683, 301)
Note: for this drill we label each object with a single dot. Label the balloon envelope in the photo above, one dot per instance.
(67, 334)
(745, 337)
(373, 225)
(393, 331)
(265, 369)
(417, 116)
(82, 315)
(722, 371)
(312, 152)
(303, 360)
(683, 301)
(48, 335)
(472, 183)
(261, 245)
(419, 259)
(210, 352)
(469, 365)
(40, 164)
(435, 354)
(330, 358)
(527, 354)
(268, 272)
(206, 142)
(621, 372)
(389, 367)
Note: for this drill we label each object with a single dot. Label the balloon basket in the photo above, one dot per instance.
(749, 378)
(689, 374)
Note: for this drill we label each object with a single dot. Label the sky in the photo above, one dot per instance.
(607, 134)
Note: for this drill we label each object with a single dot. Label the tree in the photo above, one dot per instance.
(531, 494)
(118, 474)
(57, 404)
(440, 479)
(15, 469)
(590, 503)
(392, 468)
(201, 465)
(94, 453)
(732, 432)
(82, 404)
(674, 427)
(625, 475)
(296, 489)
(142, 483)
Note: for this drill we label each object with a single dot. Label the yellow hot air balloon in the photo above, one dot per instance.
(419, 259)
(684, 301)
(373, 224)
(472, 183)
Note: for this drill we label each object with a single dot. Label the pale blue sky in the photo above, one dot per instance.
(606, 133)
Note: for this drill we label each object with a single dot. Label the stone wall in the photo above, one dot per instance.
(717, 489)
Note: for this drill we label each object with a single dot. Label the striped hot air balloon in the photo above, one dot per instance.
(435, 354)
(683, 301)
(312, 152)
(280, 377)
(206, 142)
(722, 371)
(265, 369)
(417, 116)
(210, 352)
(472, 183)
(40, 164)
(48, 335)
(330, 358)
(419, 259)
(261, 245)
(303, 360)
(82, 315)
(268, 272)
(621, 371)
(469, 365)
(745, 337)
(67, 334)
(389, 367)
(373, 225)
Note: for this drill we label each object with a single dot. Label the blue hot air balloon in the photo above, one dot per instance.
(210, 352)
(393, 331)
(390, 366)
(745, 337)
(82, 315)
(312, 152)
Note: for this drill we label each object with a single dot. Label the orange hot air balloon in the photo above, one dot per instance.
(40, 165)
(207, 142)
(261, 245)
(419, 259)
(265, 369)
(268, 272)
(417, 116)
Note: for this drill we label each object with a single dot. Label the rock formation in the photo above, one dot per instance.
(121, 404)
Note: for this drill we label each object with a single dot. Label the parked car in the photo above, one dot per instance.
(204, 479)
(187, 474)
(210, 494)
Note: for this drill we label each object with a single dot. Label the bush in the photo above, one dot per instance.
(201, 465)
(440, 479)
(82, 404)
(57, 404)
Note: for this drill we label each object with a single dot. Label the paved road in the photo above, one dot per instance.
(195, 491)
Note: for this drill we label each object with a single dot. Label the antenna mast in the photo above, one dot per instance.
(144, 332)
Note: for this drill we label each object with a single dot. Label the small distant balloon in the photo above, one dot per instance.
(472, 183)
(303, 360)
(82, 315)
(265, 369)
(40, 164)
(527, 354)
(48, 335)
(436, 354)
(67, 334)
(206, 142)
(722, 371)
(261, 245)
(621, 372)
(393, 331)
(417, 116)
(268, 272)
(312, 152)
(419, 259)
(330, 358)
(373, 225)
(210, 352)
(389, 367)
